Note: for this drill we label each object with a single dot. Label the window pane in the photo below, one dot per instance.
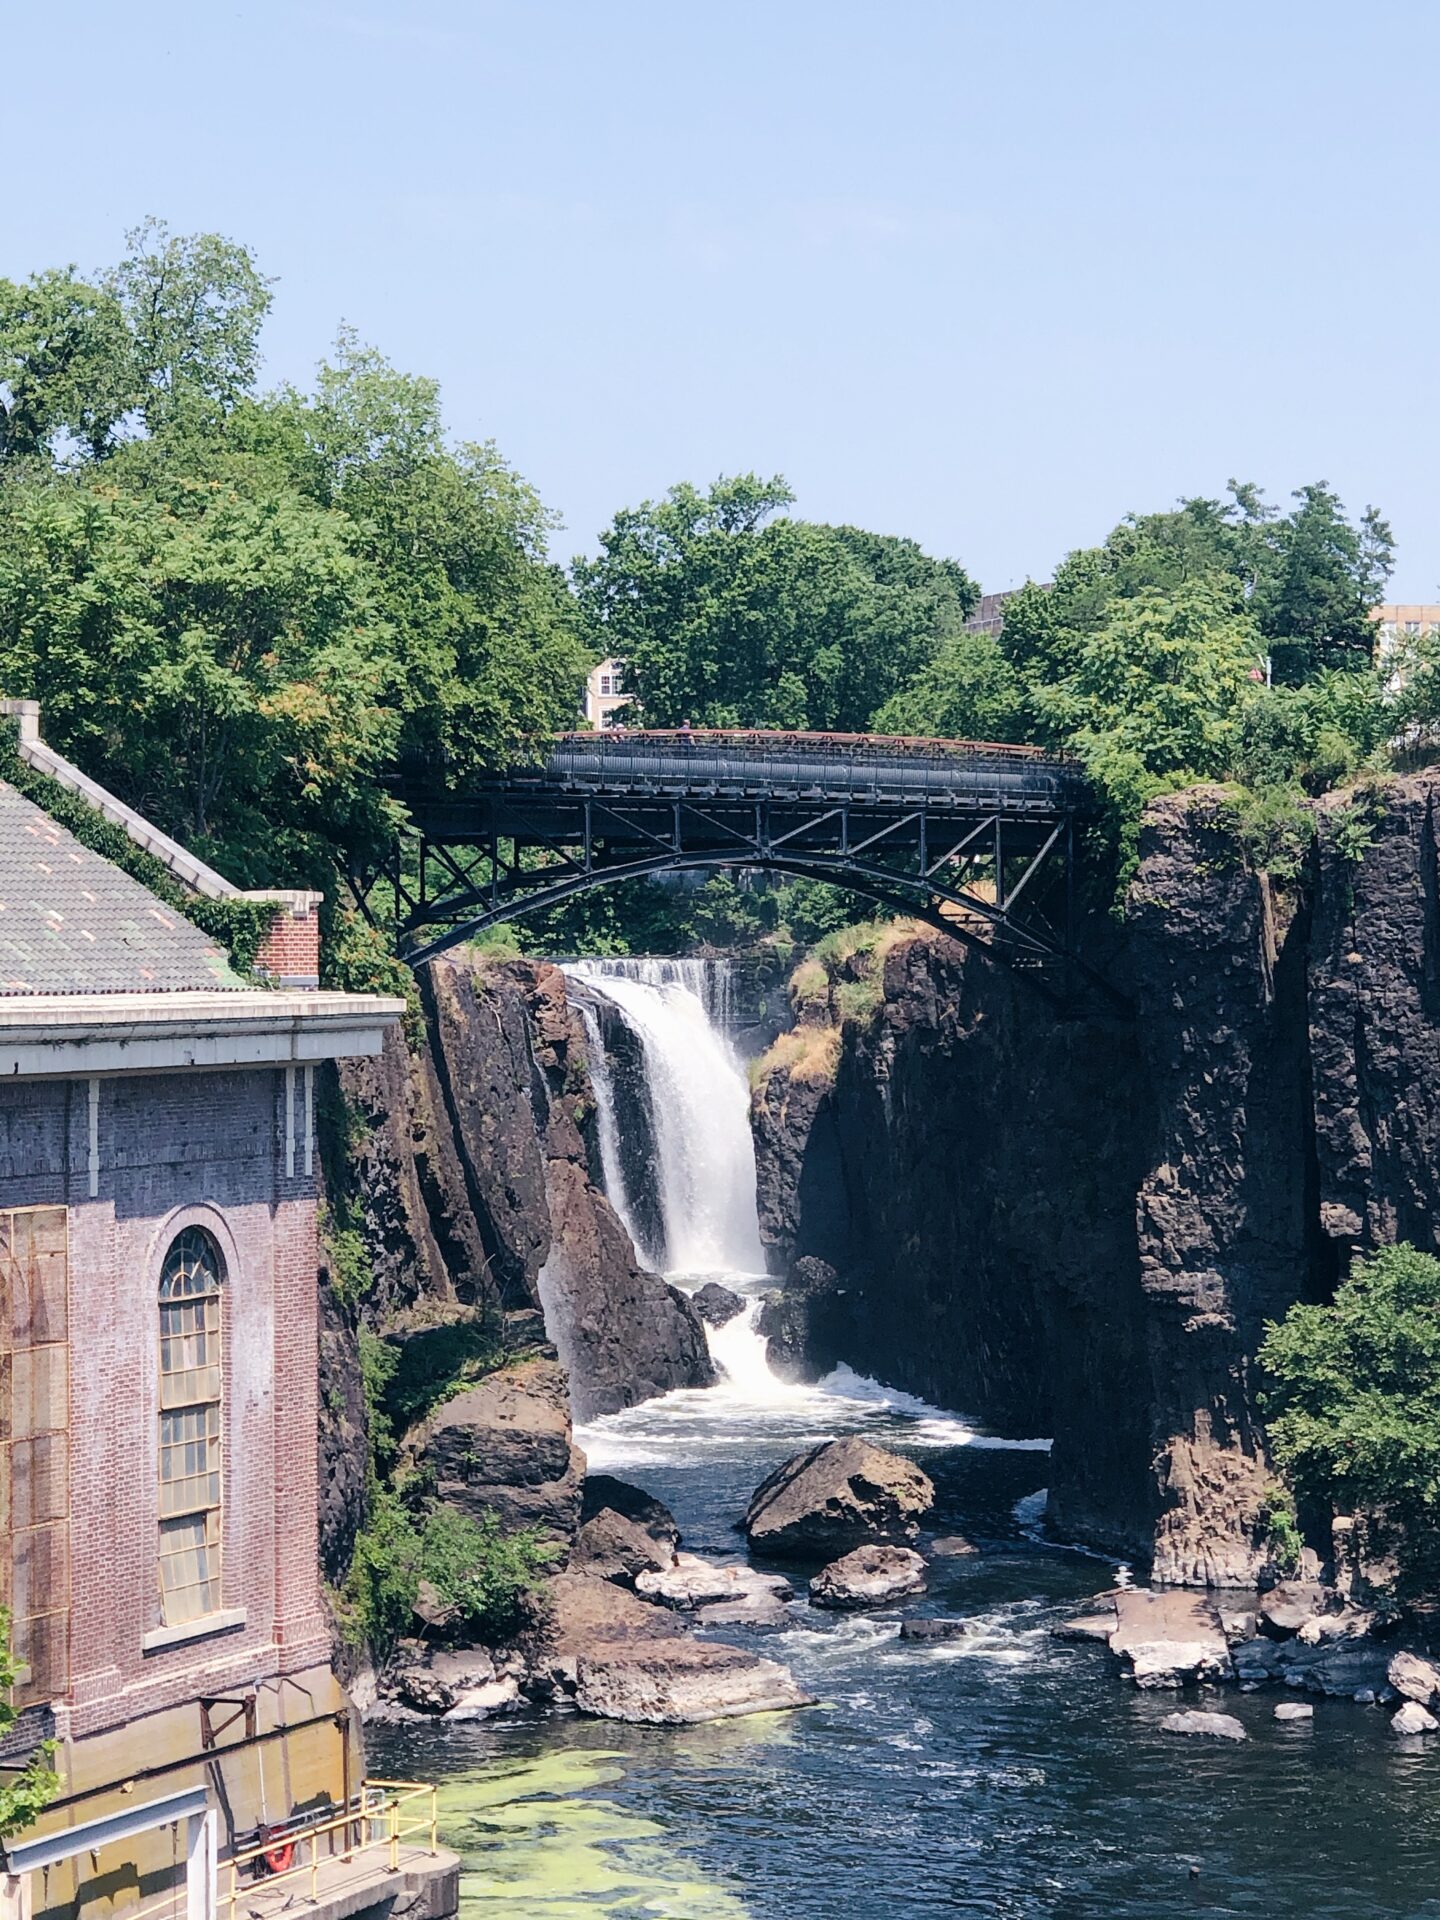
(190, 1463)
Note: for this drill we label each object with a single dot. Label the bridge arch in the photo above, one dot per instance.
(976, 839)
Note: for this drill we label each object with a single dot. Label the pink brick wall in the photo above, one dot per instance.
(206, 1149)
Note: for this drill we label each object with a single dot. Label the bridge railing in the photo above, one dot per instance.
(720, 760)
(776, 740)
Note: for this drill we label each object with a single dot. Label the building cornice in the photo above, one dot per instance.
(49, 1036)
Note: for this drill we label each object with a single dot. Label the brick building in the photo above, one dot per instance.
(158, 1387)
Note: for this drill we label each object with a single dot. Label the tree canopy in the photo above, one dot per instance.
(729, 616)
(242, 610)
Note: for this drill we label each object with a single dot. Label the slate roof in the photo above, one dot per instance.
(71, 922)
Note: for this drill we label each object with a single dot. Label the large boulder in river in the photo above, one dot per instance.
(871, 1576)
(624, 1532)
(623, 1658)
(679, 1682)
(1287, 1607)
(694, 1582)
(1414, 1678)
(504, 1445)
(841, 1494)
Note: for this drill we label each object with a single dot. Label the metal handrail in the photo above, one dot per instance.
(804, 740)
(356, 1823)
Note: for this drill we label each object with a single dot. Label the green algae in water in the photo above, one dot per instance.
(536, 1846)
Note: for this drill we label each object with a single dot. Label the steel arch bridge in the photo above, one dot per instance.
(976, 839)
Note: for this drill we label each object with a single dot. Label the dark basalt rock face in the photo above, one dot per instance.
(477, 1184)
(985, 1253)
(1375, 1020)
(1080, 1226)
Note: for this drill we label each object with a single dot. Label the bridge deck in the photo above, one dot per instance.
(832, 768)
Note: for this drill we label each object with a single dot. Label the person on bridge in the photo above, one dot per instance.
(685, 734)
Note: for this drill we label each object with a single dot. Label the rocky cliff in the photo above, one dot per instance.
(1081, 1225)
(463, 1165)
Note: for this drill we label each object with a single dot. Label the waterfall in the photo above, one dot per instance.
(704, 1170)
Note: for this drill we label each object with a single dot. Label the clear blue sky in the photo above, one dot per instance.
(986, 275)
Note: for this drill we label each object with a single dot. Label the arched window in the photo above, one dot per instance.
(190, 1395)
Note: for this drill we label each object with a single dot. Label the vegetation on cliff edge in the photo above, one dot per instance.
(1352, 1405)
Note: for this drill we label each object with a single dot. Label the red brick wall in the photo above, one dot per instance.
(206, 1149)
(290, 951)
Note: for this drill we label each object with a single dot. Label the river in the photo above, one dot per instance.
(1005, 1774)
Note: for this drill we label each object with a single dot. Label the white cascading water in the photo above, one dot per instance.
(700, 1108)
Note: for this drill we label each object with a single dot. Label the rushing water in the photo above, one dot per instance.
(699, 1110)
(1005, 1774)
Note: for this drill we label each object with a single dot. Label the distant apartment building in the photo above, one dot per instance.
(1399, 622)
(605, 694)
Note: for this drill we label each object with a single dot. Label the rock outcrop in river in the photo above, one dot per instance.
(1079, 1226)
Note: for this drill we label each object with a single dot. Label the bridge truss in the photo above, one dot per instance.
(978, 841)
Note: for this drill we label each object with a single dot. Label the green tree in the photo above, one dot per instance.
(1162, 678)
(194, 305)
(1321, 578)
(67, 366)
(728, 616)
(491, 651)
(25, 1794)
(217, 659)
(969, 691)
(1352, 1404)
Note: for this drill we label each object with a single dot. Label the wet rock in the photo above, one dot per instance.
(694, 1582)
(841, 1494)
(927, 1629)
(465, 1668)
(1167, 1638)
(717, 1306)
(480, 1702)
(1336, 1668)
(1294, 1711)
(1413, 1678)
(872, 1576)
(1239, 1627)
(504, 1446)
(1256, 1662)
(952, 1546)
(624, 1532)
(1286, 1608)
(1206, 1726)
(1085, 1626)
(759, 1610)
(1364, 1696)
(1413, 1718)
(421, 1690)
(682, 1682)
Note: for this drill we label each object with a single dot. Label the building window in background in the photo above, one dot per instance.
(190, 1409)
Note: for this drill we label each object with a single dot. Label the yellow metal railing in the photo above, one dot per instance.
(385, 1815)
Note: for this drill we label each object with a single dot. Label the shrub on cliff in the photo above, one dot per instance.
(1353, 1404)
(485, 1576)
